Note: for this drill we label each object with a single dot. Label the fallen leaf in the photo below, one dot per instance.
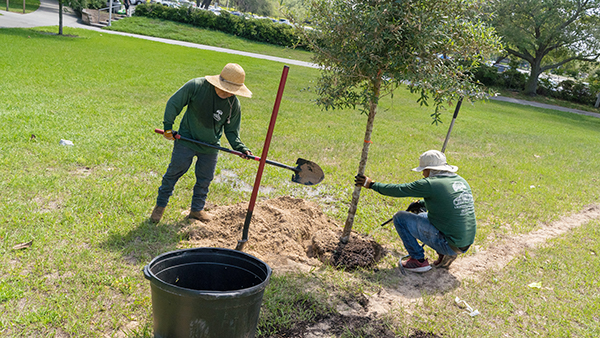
(23, 245)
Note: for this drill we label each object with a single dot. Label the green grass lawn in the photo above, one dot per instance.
(17, 6)
(86, 206)
(184, 32)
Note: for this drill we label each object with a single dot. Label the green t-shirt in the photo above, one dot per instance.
(449, 204)
(207, 116)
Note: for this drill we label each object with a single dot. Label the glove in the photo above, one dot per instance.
(416, 207)
(361, 180)
(168, 134)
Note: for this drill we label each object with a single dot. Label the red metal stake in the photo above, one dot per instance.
(263, 160)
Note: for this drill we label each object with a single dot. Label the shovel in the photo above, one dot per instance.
(305, 171)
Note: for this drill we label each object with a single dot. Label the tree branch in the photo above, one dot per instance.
(525, 56)
(592, 57)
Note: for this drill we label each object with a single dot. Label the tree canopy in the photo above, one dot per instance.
(548, 33)
(368, 48)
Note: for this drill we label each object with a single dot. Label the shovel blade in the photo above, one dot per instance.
(307, 173)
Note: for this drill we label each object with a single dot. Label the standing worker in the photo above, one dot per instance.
(212, 107)
(127, 4)
(448, 223)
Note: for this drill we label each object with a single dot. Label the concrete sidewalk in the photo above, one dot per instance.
(47, 15)
(545, 106)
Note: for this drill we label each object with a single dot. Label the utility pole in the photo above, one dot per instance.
(23, 6)
(110, 12)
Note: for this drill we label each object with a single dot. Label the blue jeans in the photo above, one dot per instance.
(181, 160)
(411, 227)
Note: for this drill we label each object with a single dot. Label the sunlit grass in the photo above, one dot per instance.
(86, 206)
(17, 5)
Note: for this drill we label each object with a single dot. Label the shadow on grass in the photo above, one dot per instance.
(298, 305)
(411, 285)
(145, 241)
(36, 33)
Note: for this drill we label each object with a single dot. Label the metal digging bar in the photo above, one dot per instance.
(456, 110)
(263, 160)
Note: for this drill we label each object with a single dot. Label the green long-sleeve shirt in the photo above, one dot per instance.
(206, 118)
(449, 203)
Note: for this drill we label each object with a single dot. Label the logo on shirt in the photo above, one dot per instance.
(459, 186)
(217, 115)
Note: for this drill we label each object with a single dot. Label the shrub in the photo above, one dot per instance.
(513, 79)
(487, 75)
(79, 5)
(566, 90)
(547, 88)
(261, 30)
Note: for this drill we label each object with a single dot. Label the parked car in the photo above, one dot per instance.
(501, 67)
(167, 3)
(187, 3)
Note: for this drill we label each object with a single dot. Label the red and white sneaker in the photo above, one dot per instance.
(415, 266)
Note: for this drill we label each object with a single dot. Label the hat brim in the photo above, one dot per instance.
(234, 89)
(445, 167)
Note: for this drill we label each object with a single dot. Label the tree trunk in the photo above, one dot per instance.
(363, 163)
(60, 17)
(534, 74)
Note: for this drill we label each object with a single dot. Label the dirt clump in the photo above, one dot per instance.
(284, 232)
(360, 251)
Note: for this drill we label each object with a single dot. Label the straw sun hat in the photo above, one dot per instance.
(231, 80)
(434, 160)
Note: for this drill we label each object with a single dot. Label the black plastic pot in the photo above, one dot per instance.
(207, 293)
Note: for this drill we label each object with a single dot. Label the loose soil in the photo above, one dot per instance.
(293, 234)
(286, 233)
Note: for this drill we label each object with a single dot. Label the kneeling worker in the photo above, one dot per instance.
(448, 225)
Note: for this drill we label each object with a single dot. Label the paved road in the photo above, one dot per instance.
(47, 15)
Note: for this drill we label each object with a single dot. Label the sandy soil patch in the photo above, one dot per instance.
(293, 234)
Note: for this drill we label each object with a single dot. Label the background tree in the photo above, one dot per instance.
(368, 48)
(548, 33)
(260, 7)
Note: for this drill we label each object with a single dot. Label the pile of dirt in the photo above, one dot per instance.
(284, 232)
(359, 252)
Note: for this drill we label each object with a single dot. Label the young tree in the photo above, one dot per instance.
(368, 48)
(548, 33)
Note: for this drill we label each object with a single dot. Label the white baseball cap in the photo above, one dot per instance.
(435, 160)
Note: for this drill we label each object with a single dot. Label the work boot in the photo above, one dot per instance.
(201, 215)
(157, 214)
(444, 261)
